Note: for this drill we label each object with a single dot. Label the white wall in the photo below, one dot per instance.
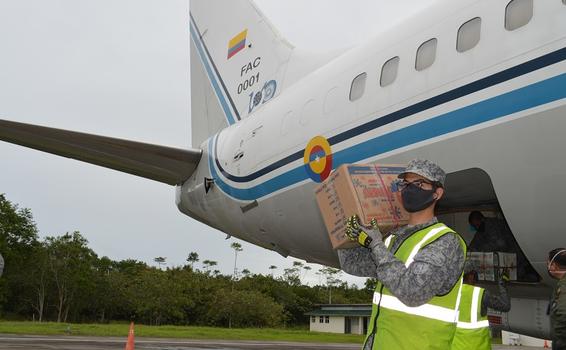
(336, 325)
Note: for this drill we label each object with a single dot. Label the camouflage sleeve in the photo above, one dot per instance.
(434, 271)
(499, 302)
(357, 261)
(559, 314)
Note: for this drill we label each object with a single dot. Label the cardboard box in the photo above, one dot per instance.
(489, 266)
(367, 190)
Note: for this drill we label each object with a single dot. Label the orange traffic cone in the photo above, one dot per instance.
(130, 343)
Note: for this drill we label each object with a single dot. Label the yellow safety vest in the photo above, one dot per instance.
(472, 329)
(430, 326)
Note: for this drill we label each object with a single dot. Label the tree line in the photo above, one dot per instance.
(61, 279)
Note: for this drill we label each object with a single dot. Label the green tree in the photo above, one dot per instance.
(306, 269)
(157, 297)
(245, 309)
(160, 260)
(331, 275)
(18, 241)
(237, 248)
(272, 268)
(71, 263)
(291, 276)
(208, 264)
(297, 264)
(130, 266)
(40, 279)
(192, 258)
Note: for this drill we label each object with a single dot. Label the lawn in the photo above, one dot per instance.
(121, 330)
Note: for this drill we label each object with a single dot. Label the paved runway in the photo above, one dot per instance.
(99, 343)
(13, 342)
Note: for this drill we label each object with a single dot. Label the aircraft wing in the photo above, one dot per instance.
(160, 163)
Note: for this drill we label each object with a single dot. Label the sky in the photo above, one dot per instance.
(120, 68)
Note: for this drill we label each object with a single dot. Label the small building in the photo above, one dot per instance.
(340, 318)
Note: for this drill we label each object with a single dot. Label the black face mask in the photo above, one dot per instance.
(416, 199)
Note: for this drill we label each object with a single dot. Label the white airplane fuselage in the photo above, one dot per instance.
(499, 107)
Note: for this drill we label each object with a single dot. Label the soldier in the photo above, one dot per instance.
(472, 330)
(557, 309)
(418, 268)
(494, 235)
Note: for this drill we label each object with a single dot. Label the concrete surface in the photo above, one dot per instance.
(19, 342)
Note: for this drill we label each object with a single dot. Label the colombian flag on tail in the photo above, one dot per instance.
(237, 43)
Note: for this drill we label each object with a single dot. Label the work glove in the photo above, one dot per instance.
(505, 276)
(365, 236)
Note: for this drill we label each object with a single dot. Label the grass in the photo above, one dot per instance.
(121, 330)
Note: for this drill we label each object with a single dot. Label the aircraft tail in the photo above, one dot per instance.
(238, 63)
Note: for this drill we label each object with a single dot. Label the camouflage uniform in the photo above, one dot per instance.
(496, 301)
(558, 315)
(435, 269)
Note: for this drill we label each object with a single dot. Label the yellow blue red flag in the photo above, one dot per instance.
(237, 43)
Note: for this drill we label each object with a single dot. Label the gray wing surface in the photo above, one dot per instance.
(160, 163)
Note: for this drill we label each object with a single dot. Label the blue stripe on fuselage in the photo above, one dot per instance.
(530, 96)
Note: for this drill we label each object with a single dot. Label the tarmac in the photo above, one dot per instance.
(8, 341)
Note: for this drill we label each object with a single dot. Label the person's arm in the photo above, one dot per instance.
(499, 302)
(357, 261)
(560, 317)
(434, 271)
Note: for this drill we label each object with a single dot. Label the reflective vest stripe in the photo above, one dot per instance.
(475, 302)
(427, 310)
(388, 241)
(418, 246)
(472, 329)
(458, 300)
(474, 323)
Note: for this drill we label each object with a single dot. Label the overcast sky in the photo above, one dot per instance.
(121, 68)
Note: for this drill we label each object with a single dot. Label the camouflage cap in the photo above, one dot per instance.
(427, 169)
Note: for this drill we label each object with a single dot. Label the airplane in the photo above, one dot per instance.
(477, 85)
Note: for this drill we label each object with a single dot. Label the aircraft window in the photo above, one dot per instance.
(469, 35)
(518, 13)
(426, 54)
(389, 71)
(358, 87)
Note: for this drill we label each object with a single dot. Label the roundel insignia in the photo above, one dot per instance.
(318, 159)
